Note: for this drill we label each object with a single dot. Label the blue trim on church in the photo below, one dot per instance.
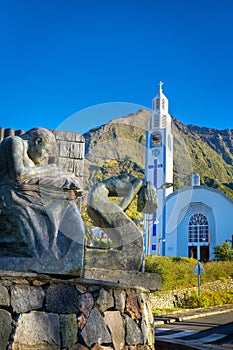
(147, 140)
(163, 228)
(155, 167)
(154, 231)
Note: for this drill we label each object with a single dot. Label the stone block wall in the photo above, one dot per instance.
(177, 298)
(44, 313)
(70, 146)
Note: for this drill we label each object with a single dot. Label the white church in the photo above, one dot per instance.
(191, 221)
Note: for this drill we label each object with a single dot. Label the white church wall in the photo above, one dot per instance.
(171, 244)
(182, 204)
(222, 207)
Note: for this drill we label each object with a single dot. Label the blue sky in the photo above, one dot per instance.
(61, 56)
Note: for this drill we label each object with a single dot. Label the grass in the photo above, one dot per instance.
(177, 272)
(164, 312)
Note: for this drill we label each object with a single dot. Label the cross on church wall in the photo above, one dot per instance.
(155, 166)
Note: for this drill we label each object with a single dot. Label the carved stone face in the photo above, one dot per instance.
(40, 152)
(41, 145)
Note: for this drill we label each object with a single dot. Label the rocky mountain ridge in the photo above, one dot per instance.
(120, 146)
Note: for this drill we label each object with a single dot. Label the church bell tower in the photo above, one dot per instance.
(158, 170)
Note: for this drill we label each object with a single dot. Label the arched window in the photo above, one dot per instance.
(198, 229)
(156, 139)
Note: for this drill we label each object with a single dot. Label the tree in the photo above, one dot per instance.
(223, 252)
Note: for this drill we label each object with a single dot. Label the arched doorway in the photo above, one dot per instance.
(198, 237)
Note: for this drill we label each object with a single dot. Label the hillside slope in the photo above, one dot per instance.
(120, 146)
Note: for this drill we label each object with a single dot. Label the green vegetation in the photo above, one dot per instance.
(207, 299)
(177, 272)
(223, 252)
(204, 300)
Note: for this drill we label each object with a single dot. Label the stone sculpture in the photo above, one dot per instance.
(41, 231)
(38, 211)
(111, 217)
(40, 225)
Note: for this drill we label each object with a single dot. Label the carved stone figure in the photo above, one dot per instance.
(123, 232)
(38, 212)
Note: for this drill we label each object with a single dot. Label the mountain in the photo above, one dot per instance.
(119, 146)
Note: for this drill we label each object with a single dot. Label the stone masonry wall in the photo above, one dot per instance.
(43, 313)
(71, 148)
(176, 298)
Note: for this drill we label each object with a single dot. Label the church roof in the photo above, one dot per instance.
(198, 188)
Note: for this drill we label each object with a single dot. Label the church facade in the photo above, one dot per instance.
(197, 219)
(191, 221)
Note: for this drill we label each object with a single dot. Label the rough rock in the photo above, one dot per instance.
(134, 335)
(4, 296)
(62, 299)
(81, 288)
(147, 323)
(82, 320)
(119, 296)
(69, 330)
(25, 298)
(37, 330)
(105, 301)
(101, 347)
(115, 323)
(21, 281)
(132, 307)
(85, 304)
(95, 330)
(137, 347)
(78, 347)
(38, 283)
(5, 328)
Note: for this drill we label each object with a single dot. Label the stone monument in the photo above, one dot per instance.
(124, 233)
(54, 294)
(40, 225)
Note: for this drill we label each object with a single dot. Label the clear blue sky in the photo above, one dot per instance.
(61, 56)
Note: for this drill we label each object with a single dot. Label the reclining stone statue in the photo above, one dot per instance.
(38, 211)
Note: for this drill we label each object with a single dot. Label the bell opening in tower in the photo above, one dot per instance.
(156, 139)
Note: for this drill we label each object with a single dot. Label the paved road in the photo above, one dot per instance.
(216, 329)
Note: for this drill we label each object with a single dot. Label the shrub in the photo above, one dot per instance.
(177, 272)
(207, 299)
(223, 252)
(155, 266)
